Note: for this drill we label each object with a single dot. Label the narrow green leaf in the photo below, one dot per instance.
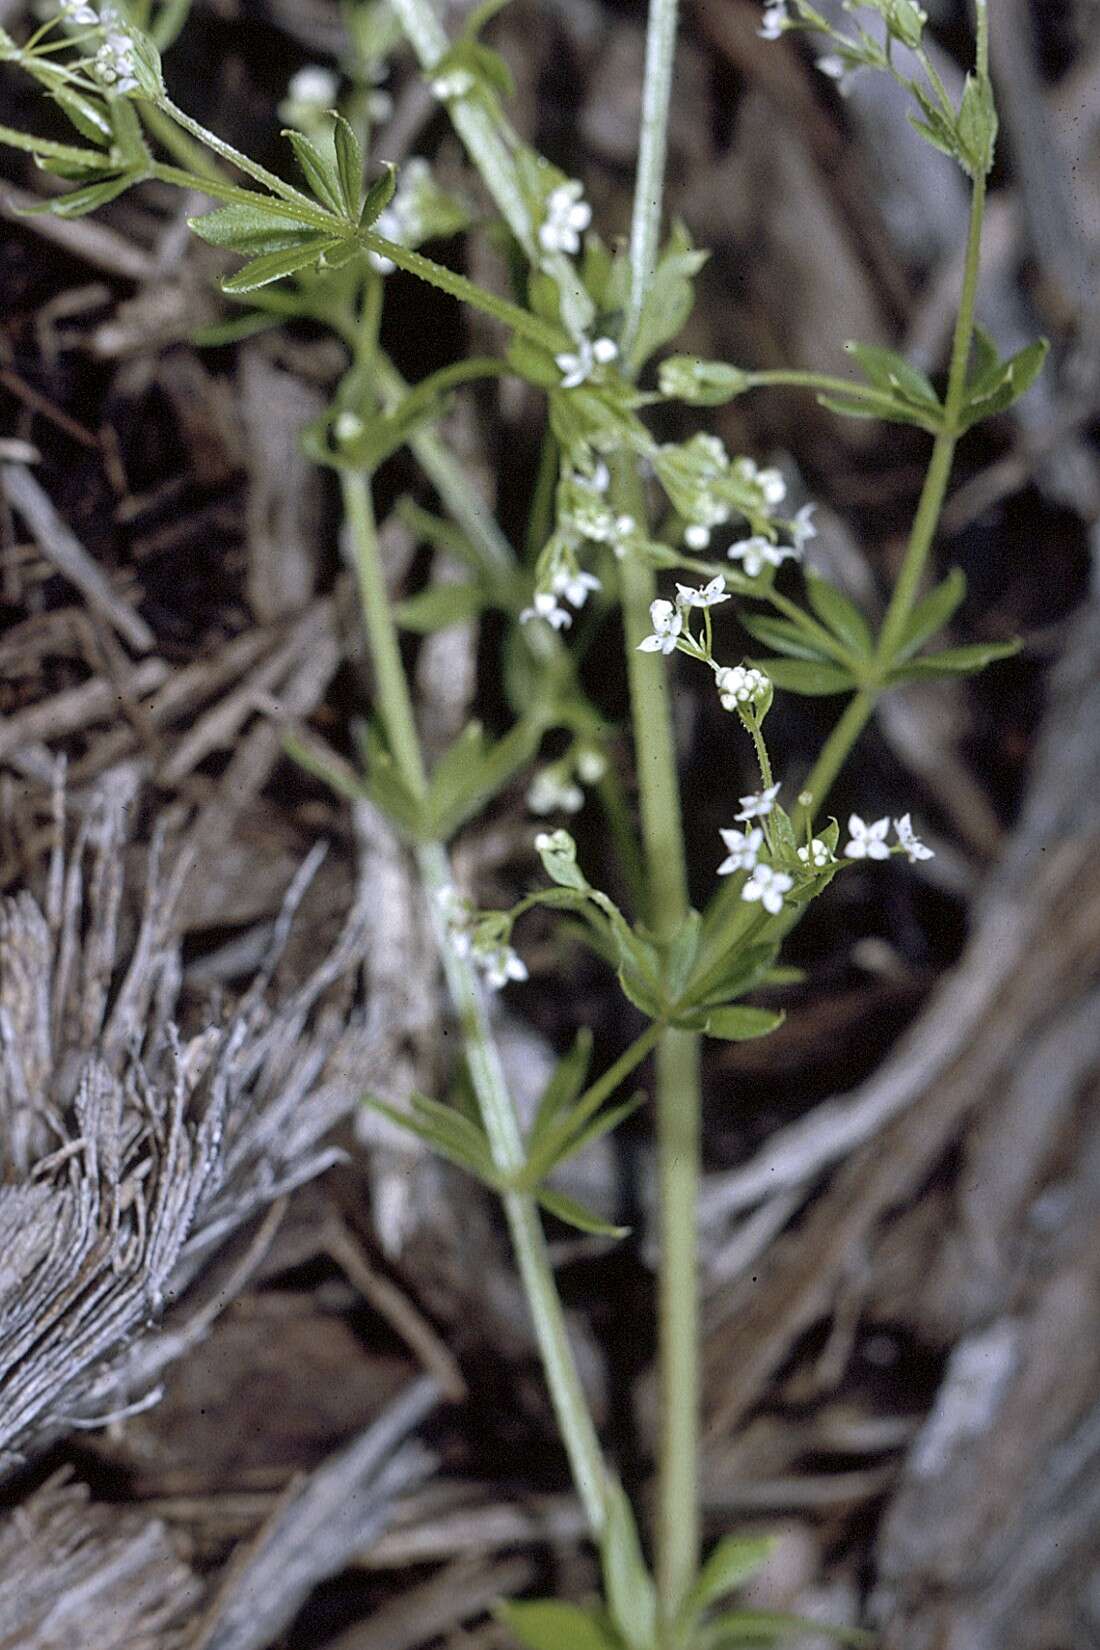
(732, 975)
(932, 613)
(955, 661)
(813, 679)
(891, 372)
(729, 1566)
(46, 149)
(86, 115)
(682, 954)
(441, 606)
(273, 266)
(544, 1624)
(349, 165)
(317, 171)
(631, 1595)
(566, 1083)
(567, 1209)
(602, 1124)
(80, 202)
(739, 1024)
(378, 196)
(250, 230)
(760, 1628)
(783, 635)
(895, 412)
(447, 1145)
(839, 614)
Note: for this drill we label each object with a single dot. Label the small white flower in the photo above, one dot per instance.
(568, 215)
(605, 350)
(832, 67)
(455, 84)
(551, 792)
(768, 887)
(740, 685)
(574, 586)
(600, 479)
(113, 64)
(696, 535)
(313, 87)
(772, 485)
(908, 839)
(576, 366)
(802, 527)
(744, 846)
(867, 841)
(545, 606)
(348, 426)
(708, 595)
(667, 623)
(78, 11)
(500, 965)
(759, 805)
(774, 20)
(555, 842)
(817, 854)
(591, 765)
(757, 552)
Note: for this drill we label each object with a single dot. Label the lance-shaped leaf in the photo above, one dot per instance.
(886, 370)
(932, 613)
(318, 172)
(631, 1595)
(839, 614)
(251, 230)
(783, 635)
(449, 1132)
(349, 165)
(273, 266)
(572, 1213)
(545, 1624)
(739, 1024)
(733, 1562)
(810, 678)
(954, 661)
(378, 196)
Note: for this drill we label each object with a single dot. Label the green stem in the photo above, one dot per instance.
(850, 388)
(497, 1111)
(678, 1090)
(925, 521)
(645, 223)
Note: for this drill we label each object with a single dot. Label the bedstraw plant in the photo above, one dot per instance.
(673, 535)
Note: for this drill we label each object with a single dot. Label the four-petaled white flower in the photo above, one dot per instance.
(740, 685)
(759, 805)
(568, 215)
(708, 595)
(574, 586)
(817, 854)
(774, 20)
(867, 841)
(500, 965)
(908, 839)
(667, 622)
(802, 527)
(577, 365)
(758, 552)
(768, 886)
(772, 485)
(78, 11)
(114, 65)
(545, 606)
(313, 86)
(743, 847)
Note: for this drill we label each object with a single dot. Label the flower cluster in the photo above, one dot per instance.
(578, 365)
(114, 65)
(483, 942)
(559, 576)
(869, 841)
(741, 685)
(557, 789)
(568, 215)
